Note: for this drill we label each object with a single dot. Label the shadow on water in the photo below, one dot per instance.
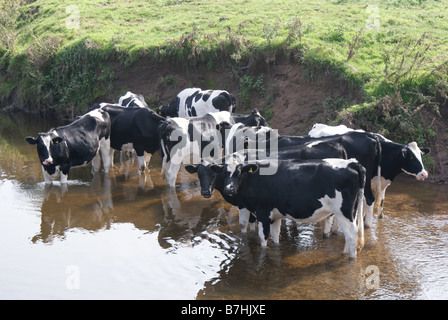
(133, 237)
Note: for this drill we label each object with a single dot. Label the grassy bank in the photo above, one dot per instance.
(59, 55)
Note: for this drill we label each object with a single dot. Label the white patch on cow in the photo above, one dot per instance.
(47, 141)
(322, 130)
(233, 161)
(222, 116)
(422, 175)
(97, 113)
(339, 163)
(312, 144)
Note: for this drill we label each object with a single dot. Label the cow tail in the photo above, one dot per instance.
(165, 152)
(378, 164)
(360, 202)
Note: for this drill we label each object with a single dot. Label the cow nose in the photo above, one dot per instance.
(48, 162)
(422, 175)
(206, 193)
(229, 190)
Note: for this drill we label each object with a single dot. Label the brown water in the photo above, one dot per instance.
(127, 236)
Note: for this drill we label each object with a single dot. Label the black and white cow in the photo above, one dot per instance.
(138, 126)
(302, 190)
(396, 158)
(188, 140)
(194, 102)
(74, 145)
(363, 147)
(132, 100)
(129, 100)
(210, 180)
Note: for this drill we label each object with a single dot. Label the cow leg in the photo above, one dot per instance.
(276, 223)
(47, 177)
(140, 158)
(105, 154)
(171, 173)
(368, 206)
(147, 158)
(96, 162)
(264, 226)
(64, 178)
(275, 230)
(328, 226)
(350, 232)
(252, 221)
(243, 218)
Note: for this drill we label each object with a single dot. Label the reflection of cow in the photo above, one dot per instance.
(194, 102)
(74, 145)
(78, 206)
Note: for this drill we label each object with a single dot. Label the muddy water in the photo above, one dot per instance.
(127, 236)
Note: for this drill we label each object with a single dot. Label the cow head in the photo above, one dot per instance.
(206, 177)
(51, 149)
(234, 170)
(254, 119)
(412, 160)
(232, 103)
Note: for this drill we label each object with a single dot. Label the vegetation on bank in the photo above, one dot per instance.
(60, 55)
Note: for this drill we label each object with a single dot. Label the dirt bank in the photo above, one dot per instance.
(289, 97)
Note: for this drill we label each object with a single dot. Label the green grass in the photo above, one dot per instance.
(61, 56)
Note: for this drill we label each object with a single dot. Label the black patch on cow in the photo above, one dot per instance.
(207, 95)
(198, 97)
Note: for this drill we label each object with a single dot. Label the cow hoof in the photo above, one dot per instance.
(326, 235)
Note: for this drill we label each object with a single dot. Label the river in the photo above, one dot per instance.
(129, 236)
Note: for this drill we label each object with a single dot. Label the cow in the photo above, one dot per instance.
(210, 180)
(132, 100)
(364, 147)
(129, 100)
(74, 145)
(183, 138)
(195, 102)
(138, 126)
(302, 190)
(396, 158)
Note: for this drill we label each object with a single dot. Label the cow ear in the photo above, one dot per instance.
(57, 140)
(216, 168)
(223, 125)
(404, 152)
(250, 168)
(425, 151)
(191, 169)
(31, 140)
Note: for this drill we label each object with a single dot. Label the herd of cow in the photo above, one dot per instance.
(334, 172)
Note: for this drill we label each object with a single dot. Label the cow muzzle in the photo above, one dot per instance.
(229, 190)
(47, 162)
(422, 175)
(206, 193)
